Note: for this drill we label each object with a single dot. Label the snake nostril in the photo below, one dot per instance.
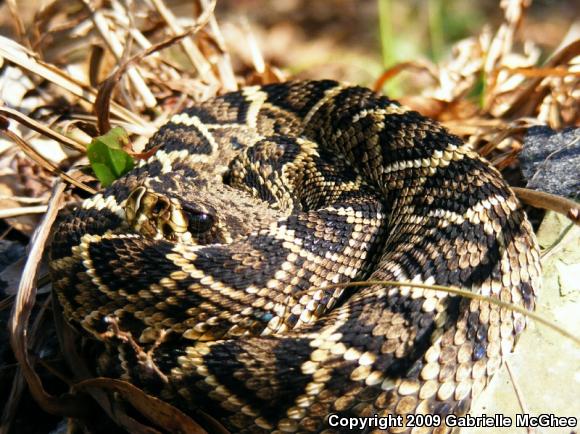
(159, 207)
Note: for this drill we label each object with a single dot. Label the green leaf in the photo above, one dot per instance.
(115, 138)
(108, 160)
(103, 173)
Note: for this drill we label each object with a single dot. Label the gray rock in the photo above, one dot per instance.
(550, 160)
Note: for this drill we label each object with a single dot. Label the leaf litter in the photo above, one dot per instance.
(87, 67)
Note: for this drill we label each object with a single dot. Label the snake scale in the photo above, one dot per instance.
(207, 271)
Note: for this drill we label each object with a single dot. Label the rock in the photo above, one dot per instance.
(550, 160)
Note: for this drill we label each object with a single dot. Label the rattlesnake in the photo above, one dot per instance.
(207, 270)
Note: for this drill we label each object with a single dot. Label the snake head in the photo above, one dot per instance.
(195, 211)
(160, 216)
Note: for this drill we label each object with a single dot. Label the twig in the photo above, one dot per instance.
(18, 385)
(255, 52)
(41, 161)
(568, 234)
(519, 394)
(42, 129)
(104, 96)
(224, 63)
(500, 136)
(556, 71)
(55, 372)
(546, 160)
(399, 67)
(467, 294)
(541, 199)
(153, 408)
(23, 199)
(27, 60)
(529, 95)
(15, 212)
(16, 19)
(198, 61)
(110, 38)
(143, 357)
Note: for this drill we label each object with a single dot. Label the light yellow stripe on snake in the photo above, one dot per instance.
(473, 214)
(256, 98)
(99, 202)
(185, 119)
(215, 290)
(438, 160)
(226, 397)
(380, 112)
(168, 158)
(328, 95)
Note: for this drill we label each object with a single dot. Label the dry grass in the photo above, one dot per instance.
(142, 64)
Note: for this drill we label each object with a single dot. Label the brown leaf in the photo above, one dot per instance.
(18, 326)
(159, 412)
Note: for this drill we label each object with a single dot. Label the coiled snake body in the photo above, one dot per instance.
(207, 270)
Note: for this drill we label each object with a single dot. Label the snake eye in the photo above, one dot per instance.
(200, 222)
